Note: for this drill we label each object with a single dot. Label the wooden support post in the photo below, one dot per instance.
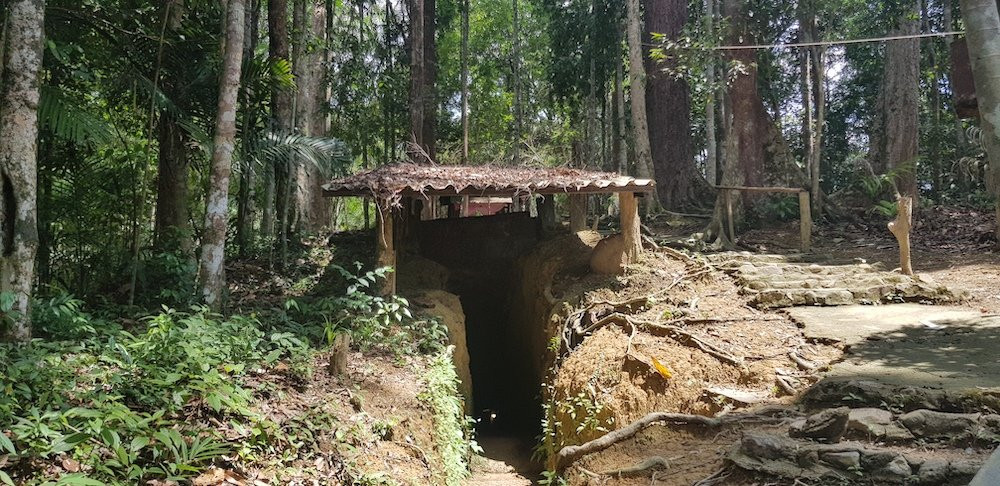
(900, 228)
(629, 206)
(547, 213)
(385, 247)
(727, 196)
(805, 221)
(577, 212)
(465, 206)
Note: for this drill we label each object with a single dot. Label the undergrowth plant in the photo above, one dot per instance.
(452, 429)
(164, 396)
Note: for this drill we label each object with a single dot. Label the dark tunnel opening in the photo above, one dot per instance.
(482, 256)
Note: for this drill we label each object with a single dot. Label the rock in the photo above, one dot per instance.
(763, 446)
(828, 425)
(875, 423)
(842, 460)
(608, 256)
(941, 425)
(989, 429)
(933, 471)
(868, 419)
(897, 470)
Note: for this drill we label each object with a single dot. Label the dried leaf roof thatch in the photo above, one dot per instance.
(392, 181)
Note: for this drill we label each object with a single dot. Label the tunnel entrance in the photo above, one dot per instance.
(482, 257)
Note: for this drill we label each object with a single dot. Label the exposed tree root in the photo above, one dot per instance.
(643, 466)
(570, 454)
(801, 362)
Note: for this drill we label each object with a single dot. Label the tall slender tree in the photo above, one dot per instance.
(637, 90)
(212, 271)
(711, 149)
(418, 150)
(982, 27)
(282, 122)
(465, 82)
(19, 159)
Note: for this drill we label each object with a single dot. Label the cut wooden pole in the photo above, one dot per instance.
(727, 195)
(465, 206)
(900, 228)
(577, 212)
(386, 248)
(805, 221)
(547, 213)
(629, 207)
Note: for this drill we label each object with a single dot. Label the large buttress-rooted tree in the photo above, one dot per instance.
(19, 159)
(637, 89)
(756, 152)
(982, 29)
(668, 108)
(213, 247)
(895, 132)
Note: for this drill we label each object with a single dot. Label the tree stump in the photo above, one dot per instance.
(900, 228)
(341, 350)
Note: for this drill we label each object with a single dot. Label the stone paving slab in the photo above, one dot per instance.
(949, 348)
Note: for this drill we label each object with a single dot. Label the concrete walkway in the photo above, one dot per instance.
(943, 347)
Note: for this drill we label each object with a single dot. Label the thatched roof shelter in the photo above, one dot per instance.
(392, 181)
(395, 186)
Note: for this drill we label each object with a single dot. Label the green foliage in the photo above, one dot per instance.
(781, 208)
(452, 431)
(374, 322)
(117, 401)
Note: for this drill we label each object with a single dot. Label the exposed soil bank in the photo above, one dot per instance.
(502, 272)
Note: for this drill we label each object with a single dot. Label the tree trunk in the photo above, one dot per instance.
(19, 160)
(814, 70)
(276, 200)
(212, 272)
(895, 133)
(712, 151)
(516, 75)
(245, 196)
(312, 211)
(755, 151)
(171, 227)
(417, 150)
(465, 81)
(430, 79)
(668, 105)
(982, 29)
(619, 145)
(637, 83)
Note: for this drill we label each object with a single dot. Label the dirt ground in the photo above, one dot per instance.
(963, 259)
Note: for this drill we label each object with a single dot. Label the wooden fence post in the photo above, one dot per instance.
(805, 221)
(577, 212)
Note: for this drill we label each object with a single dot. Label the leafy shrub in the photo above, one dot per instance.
(119, 402)
(452, 430)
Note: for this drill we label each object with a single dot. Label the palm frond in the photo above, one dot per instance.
(66, 118)
(330, 155)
